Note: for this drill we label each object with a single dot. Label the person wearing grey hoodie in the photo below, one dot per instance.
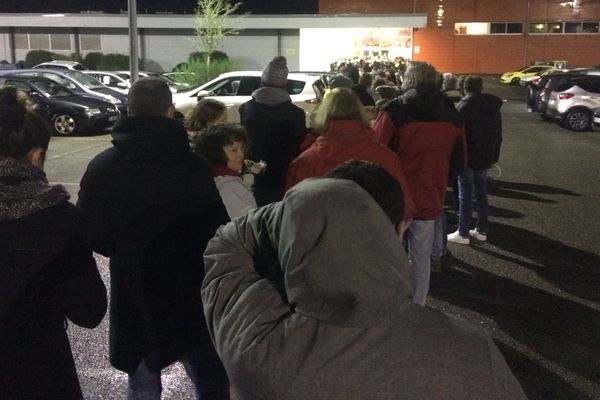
(276, 128)
(339, 322)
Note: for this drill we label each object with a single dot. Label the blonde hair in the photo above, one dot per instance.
(205, 112)
(338, 104)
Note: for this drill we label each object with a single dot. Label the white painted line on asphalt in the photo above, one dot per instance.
(73, 152)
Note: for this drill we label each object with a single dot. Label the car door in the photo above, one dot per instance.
(233, 91)
(43, 107)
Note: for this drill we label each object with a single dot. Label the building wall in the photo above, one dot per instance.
(489, 54)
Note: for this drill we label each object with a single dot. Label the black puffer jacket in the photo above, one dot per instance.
(483, 126)
(47, 275)
(152, 205)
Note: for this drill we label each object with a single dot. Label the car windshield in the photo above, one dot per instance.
(85, 80)
(51, 88)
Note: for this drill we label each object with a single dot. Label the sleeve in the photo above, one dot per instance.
(384, 128)
(82, 294)
(237, 198)
(241, 306)
(96, 224)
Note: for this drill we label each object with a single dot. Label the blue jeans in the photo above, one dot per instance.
(468, 180)
(420, 243)
(207, 375)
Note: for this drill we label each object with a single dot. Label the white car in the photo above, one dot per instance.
(62, 65)
(235, 88)
(174, 86)
(111, 79)
(597, 118)
(573, 102)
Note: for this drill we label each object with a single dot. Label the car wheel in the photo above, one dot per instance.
(578, 120)
(515, 81)
(64, 124)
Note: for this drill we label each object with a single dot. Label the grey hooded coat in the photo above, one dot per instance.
(336, 320)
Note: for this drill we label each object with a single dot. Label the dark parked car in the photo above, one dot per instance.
(67, 113)
(79, 83)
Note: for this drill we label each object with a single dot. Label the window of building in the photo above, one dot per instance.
(90, 43)
(555, 27)
(39, 41)
(538, 27)
(590, 27)
(21, 41)
(488, 28)
(514, 27)
(572, 27)
(60, 41)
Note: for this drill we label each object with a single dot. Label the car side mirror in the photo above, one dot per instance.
(122, 85)
(204, 93)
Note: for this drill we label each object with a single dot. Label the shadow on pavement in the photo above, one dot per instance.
(538, 382)
(562, 331)
(572, 270)
(533, 188)
(502, 212)
(499, 190)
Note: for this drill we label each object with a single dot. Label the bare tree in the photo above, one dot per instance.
(212, 24)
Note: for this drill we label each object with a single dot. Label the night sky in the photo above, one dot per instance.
(151, 6)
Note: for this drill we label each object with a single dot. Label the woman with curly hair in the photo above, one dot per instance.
(205, 113)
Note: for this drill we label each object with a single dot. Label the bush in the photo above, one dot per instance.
(196, 72)
(201, 56)
(35, 57)
(93, 59)
(114, 62)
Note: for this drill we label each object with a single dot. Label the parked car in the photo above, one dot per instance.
(549, 84)
(235, 88)
(111, 79)
(514, 77)
(67, 112)
(174, 86)
(62, 65)
(533, 78)
(79, 83)
(573, 102)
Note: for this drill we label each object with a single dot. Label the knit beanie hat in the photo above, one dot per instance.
(275, 74)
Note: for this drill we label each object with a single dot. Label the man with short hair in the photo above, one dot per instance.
(151, 205)
(483, 124)
(338, 322)
(426, 132)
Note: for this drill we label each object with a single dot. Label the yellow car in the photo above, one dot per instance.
(513, 78)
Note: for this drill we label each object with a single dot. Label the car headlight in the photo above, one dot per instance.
(90, 112)
(114, 100)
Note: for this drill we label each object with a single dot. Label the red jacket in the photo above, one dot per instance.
(425, 149)
(343, 141)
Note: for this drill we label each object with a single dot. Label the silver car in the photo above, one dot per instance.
(573, 102)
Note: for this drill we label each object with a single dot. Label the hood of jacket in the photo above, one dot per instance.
(341, 258)
(426, 103)
(24, 190)
(271, 96)
(145, 138)
(483, 102)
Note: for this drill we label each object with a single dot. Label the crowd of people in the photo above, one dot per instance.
(267, 256)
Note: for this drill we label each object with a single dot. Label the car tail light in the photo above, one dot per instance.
(312, 101)
(565, 96)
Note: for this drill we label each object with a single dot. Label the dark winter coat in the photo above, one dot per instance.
(426, 132)
(483, 126)
(363, 94)
(47, 275)
(346, 327)
(152, 205)
(276, 128)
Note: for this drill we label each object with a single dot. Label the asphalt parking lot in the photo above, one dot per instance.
(535, 285)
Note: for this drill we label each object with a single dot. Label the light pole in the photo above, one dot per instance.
(133, 41)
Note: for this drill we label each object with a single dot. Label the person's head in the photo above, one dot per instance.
(339, 81)
(460, 83)
(150, 97)
(473, 84)
(419, 72)
(275, 73)
(223, 144)
(339, 104)
(206, 112)
(366, 79)
(448, 81)
(23, 134)
(351, 72)
(380, 184)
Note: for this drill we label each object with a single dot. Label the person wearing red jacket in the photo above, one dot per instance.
(344, 134)
(426, 132)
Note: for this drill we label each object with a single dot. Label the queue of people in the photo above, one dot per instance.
(268, 262)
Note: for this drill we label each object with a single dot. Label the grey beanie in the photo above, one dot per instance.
(276, 72)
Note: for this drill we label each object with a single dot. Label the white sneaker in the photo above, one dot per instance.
(482, 237)
(456, 238)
